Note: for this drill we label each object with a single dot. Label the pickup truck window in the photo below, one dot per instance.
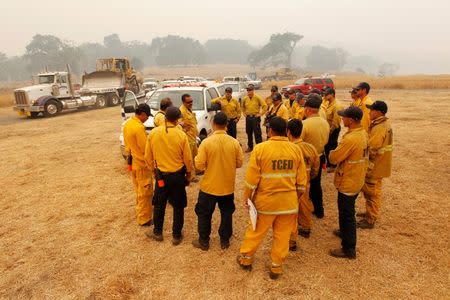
(308, 81)
(175, 96)
(130, 100)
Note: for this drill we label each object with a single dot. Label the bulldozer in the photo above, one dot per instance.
(120, 65)
(282, 74)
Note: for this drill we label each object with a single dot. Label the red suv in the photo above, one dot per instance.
(305, 85)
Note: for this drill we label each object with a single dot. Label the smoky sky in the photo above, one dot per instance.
(413, 34)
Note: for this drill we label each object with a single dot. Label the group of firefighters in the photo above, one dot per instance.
(283, 175)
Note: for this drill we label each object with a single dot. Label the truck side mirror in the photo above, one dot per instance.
(129, 109)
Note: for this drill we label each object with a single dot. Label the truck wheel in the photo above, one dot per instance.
(100, 102)
(51, 108)
(113, 100)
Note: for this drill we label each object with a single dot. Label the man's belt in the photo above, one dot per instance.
(181, 171)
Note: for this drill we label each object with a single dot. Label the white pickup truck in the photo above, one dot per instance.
(202, 107)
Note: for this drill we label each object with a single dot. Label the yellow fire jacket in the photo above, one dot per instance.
(253, 106)
(294, 110)
(189, 123)
(159, 118)
(231, 108)
(269, 100)
(312, 160)
(219, 155)
(316, 131)
(380, 148)
(351, 158)
(331, 110)
(167, 149)
(361, 103)
(135, 137)
(281, 111)
(276, 172)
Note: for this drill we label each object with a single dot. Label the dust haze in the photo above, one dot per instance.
(410, 34)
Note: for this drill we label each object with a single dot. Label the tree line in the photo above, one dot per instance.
(282, 49)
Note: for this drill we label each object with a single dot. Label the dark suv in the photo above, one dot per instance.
(305, 85)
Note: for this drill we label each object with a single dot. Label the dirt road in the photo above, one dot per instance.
(68, 228)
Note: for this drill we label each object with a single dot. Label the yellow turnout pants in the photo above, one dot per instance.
(282, 228)
(372, 194)
(142, 181)
(304, 219)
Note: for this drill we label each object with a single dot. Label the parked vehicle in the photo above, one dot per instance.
(281, 74)
(202, 107)
(239, 89)
(52, 93)
(150, 84)
(252, 78)
(110, 80)
(305, 85)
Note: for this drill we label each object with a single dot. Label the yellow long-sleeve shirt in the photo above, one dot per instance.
(159, 119)
(231, 108)
(331, 110)
(189, 123)
(279, 111)
(361, 103)
(380, 148)
(135, 137)
(253, 106)
(351, 158)
(312, 160)
(276, 172)
(295, 110)
(167, 148)
(316, 131)
(219, 155)
(268, 100)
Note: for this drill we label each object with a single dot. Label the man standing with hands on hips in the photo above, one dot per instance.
(230, 106)
(253, 107)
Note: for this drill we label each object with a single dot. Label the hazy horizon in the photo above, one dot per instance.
(412, 34)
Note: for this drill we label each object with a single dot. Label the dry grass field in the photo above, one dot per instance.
(68, 228)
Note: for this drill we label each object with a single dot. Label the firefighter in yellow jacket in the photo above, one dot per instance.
(160, 116)
(351, 158)
(331, 106)
(274, 181)
(380, 162)
(231, 107)
(312, 163)
(273, 90)
(219, 156)
(362, 91)
(188, 121)
(135, 138)
(168, 154)
(292, 105)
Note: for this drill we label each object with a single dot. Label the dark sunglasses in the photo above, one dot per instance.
(189, 102)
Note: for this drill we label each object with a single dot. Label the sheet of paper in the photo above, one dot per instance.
(253, 213)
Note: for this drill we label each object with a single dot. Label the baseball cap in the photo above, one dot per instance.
(313, 101)
(250, 87)
(173, 113)
(328, 91)
(362, 85)
(300, 96)
(291, 91)
(352, 112)
(315, 91)
(274, 88)
(228, 90)
(143, 108)
(378, 105)
(277, 97)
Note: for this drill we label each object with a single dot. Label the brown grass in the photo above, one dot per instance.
(69, 231)
(6, 97)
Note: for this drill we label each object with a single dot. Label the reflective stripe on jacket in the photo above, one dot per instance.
(276, 170)
(351, 158)
(380, 148)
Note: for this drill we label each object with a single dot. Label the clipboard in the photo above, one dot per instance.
(253, 213)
